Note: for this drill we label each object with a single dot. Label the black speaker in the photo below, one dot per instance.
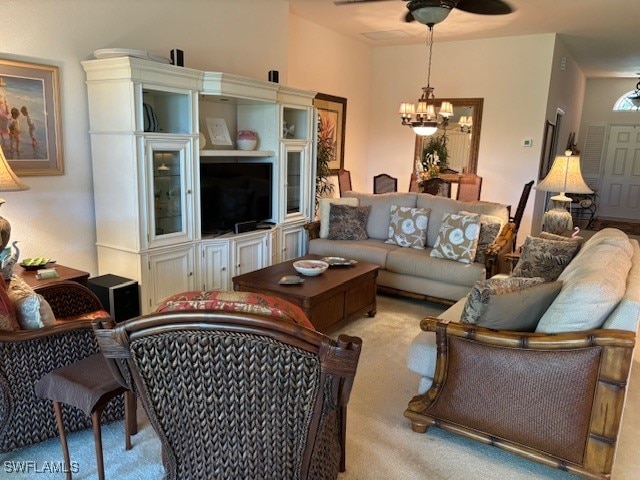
(119, 296)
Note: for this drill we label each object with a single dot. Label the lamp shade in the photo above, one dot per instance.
(9, 181)
(565, 176)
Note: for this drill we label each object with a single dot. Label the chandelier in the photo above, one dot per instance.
(426, 119)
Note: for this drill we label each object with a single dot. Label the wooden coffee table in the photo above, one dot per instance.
(339, 294)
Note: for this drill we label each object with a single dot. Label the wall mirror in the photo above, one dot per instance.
(463, 137)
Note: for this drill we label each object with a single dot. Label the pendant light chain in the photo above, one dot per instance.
(430, 45)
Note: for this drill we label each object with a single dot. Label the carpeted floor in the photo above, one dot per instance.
(380, 442)
(631, 228)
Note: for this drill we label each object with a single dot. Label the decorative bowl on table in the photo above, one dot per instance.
(35, 263)
(310, 268)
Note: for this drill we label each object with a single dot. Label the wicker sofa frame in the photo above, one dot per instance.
(28, 355)
(556, 399)
(249, 397)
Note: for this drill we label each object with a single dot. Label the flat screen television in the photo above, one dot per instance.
(234, 192)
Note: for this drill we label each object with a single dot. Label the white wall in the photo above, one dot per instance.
(600, 96)
(511, 74)
(327, 62)
(246, 37)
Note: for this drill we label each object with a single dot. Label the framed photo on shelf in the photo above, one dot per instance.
(332, 118)
(218, 131)
(30, 125)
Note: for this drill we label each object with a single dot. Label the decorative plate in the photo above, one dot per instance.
(291, 280)
(127, 52)
(339, 261)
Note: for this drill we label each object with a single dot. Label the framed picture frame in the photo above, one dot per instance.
(218, 131)
(332, 120)
(547, 155)
(30, 123)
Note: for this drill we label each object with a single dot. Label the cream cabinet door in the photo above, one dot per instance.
(252, 254)
(292, 243)
(169, 272)
(215, 257)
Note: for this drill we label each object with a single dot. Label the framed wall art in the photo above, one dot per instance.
(547, 154)
(30, 125)
(332, 118)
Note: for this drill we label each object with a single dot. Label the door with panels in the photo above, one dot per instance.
(172, 271)
(215, 257)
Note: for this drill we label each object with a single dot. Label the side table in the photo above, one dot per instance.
(66, 273)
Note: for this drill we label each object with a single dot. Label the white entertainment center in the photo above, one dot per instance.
(148, 200)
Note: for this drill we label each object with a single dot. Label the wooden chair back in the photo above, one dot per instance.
(384, 183)
(469, 187)
(344, 181)
(437, 186)
(413, 183)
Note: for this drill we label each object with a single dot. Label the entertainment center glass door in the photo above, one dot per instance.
(169, 192)
(294, 181)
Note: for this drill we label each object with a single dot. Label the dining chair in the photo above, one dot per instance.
(413, 183)
(344, 181)
(469, 187)
(384, 183)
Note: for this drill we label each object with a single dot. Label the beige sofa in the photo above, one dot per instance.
(411, 271)
(555, 395)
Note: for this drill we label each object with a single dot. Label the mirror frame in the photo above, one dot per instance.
(476, 104)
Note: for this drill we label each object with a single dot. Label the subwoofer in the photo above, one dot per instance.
(119, 296)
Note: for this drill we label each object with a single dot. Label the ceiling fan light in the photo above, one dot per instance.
(431, 15)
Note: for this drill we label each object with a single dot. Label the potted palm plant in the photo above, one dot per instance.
(326, 153)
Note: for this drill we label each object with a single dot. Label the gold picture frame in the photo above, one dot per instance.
(30, 125)
(332, 119)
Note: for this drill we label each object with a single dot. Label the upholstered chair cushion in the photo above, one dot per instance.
(247, 302)
(458, 238)
(347, 222)
(408, 227)
(484, 291)
(323, 208)
(544, 258)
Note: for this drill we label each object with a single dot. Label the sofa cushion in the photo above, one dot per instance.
(627, 314)
(246, 302)
(408, 227)
(324, 207)
(347, 222)
(380, 215)
(593, 285)
(457, 238)
(481, 293)
(441, 205)
(544, 258)
(370, 251)
(419, 263)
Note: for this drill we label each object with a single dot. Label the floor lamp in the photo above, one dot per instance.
(564, 176)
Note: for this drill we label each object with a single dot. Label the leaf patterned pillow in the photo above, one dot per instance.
(478, 299)
(457, 238)
(544, 258)
(347, 222)
(408, 227)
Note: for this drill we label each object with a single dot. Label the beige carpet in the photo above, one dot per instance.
(380, 442)
(630, 228)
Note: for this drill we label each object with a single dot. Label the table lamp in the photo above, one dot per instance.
(564, 176)
(9, 182)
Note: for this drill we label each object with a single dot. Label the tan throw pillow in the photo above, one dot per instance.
(32, 311)
(544, 258)
(521, 310)
(323, 208)
(347, 222)
(561, 238)
(408, 227)
(490, 227)
(457, 238)
(481, 293)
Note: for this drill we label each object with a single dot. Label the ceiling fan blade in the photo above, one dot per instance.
(352, 2)
(485, 7)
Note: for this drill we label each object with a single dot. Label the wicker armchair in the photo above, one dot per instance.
(27, 355)
(237, 395)
(556, 399)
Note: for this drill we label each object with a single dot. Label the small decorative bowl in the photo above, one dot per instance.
(246, 140)
(310, 268)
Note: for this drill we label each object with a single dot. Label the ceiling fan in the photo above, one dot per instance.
(430, 12)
